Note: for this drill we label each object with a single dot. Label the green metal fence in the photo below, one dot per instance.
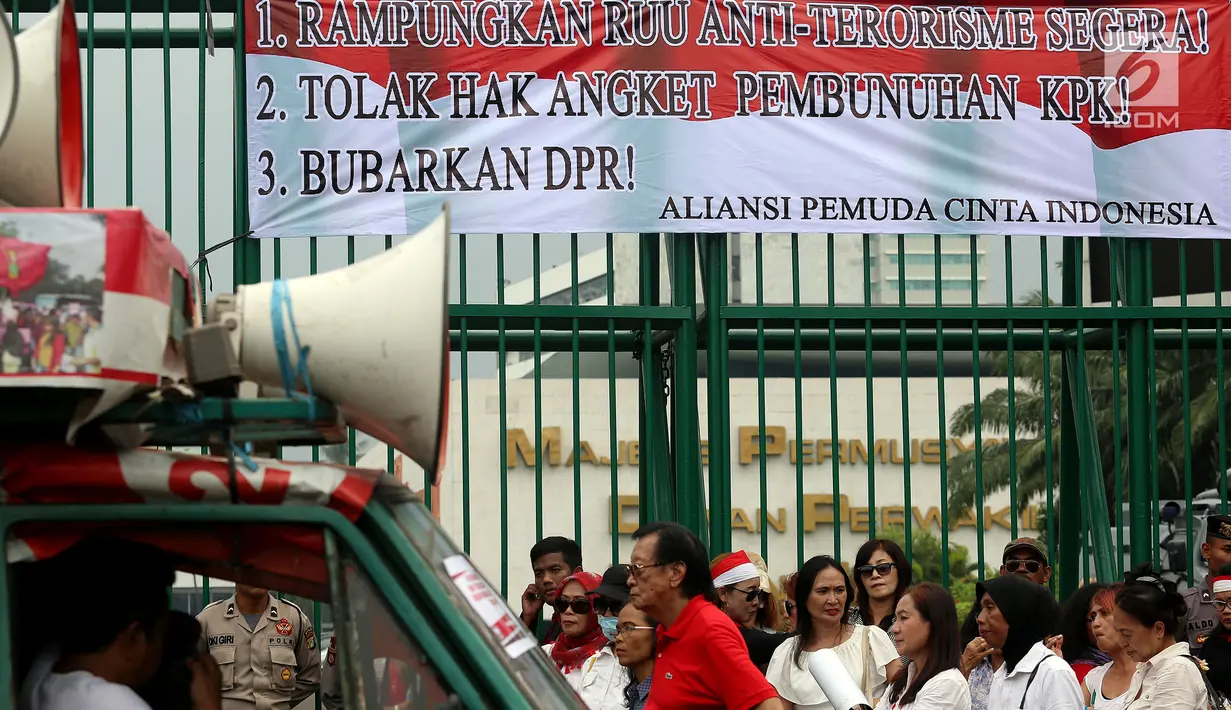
(1122, 402)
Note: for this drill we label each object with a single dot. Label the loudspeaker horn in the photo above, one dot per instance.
(41, 151)
(8, 74)
(377, 337)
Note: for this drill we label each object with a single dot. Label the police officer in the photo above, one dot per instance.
(1201, 619)
(265, 648)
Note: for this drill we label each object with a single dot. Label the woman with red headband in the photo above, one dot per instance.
(582, 653)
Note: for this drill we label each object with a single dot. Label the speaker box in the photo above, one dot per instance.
(377, 339)
(41, 147)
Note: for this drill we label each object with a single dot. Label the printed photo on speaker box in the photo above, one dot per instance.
(51, 293)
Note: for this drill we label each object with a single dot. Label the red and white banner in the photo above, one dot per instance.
(739, 115)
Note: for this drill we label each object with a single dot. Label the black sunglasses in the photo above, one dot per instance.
(579, 606)
(883, 569)
(1031, 566)
(749, 595)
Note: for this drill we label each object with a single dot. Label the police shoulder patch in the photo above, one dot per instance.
(310, 637)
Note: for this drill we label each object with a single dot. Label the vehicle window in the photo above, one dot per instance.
(544, 684)
(394, 671)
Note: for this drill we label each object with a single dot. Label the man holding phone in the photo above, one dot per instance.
(552, 559)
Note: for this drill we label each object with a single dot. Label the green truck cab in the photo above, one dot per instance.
(401, 591)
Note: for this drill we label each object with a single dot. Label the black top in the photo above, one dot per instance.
(762, 644)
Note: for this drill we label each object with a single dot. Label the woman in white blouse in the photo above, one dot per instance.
(823, 599)
(925, 630)
(1016, 614)
(1146, 618)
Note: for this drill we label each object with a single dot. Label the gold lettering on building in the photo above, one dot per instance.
(818, 512)
(521, 452)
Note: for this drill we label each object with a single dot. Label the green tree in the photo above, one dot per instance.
(1037, 405)
(926, 556)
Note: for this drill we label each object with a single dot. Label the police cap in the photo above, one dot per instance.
(1219, 526)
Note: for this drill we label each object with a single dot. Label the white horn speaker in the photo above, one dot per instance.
(377, 337)
(8, 74)
(41, 151)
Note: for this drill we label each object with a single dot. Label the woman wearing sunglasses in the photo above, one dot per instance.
(882, 575)
(582, 653)
(737, 582)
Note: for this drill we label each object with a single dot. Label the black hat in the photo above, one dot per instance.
(1218, 526)
(615, 583)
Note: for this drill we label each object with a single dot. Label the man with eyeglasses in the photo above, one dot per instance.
(1028, 557)
(702, 661)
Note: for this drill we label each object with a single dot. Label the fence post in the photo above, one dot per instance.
(1067, 564)
(655, 483)
(245, 252)
(718, 414)
(689, 484)
(1140, 464)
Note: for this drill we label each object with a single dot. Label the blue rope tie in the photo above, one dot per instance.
(281, 298)
(242, 455)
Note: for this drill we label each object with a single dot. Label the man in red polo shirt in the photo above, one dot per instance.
(702, 660)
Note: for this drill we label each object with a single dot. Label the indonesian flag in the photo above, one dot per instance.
(22, 264)
(735, 568)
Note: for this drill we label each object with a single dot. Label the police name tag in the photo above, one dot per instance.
(221, 640)
(282, 641)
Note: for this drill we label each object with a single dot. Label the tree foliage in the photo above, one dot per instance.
(1037, 396)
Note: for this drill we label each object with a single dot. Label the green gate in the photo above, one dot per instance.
(1119, 400)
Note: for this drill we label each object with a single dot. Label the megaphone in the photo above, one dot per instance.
(41, 140)
(376, 336)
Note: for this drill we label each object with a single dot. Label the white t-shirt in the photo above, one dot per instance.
(1094, 684)
(44, 690)
(947, 690)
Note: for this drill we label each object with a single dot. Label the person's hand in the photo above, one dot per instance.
(206, 683)
(1054, 644)
(975, 652)
(531, 605)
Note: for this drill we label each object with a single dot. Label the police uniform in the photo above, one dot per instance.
(1201, 620)
(274, 666)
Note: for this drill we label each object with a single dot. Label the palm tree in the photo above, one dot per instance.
(1034, 422)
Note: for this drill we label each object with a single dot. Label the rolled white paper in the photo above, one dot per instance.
(839, 687)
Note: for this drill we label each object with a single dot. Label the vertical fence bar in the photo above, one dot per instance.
(1049, 454)
(975, 355)
(611, 406)
(1069, 544)
(1221, 382)
(1187, 412)
(762, 461)
(906, 442)
(465, 388)
(246, 252)
(1136, 271)
(797, 353)
(690, 485)
(540, 449)
(575, 299)
(1113, 252)
(833, 403)
(502, 376)
(870, 387)
(717, 415)
(1014, 503)
(943, 417)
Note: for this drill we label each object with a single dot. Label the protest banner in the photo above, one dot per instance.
(738, 115)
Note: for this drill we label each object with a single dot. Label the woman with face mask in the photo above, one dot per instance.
(925, 630)
(583, 652)
(635, 641)
(1015, 616)
(1146, 618)
(1106, 686)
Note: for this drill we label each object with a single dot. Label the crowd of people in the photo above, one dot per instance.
(39, 340)
(675, 629)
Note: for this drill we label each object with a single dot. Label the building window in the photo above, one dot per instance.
(930, 259)
(587, 291)
(930, 285)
